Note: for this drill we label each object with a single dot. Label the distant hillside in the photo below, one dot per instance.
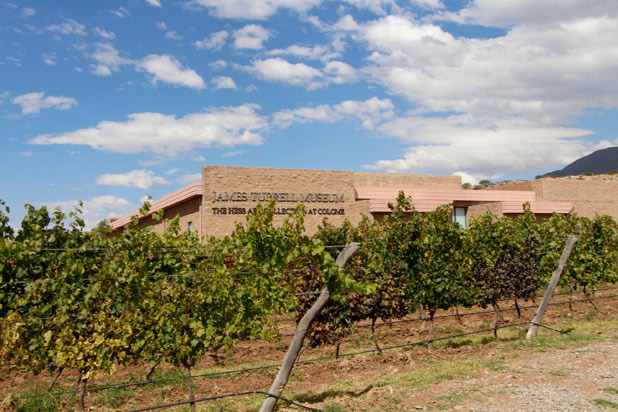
(601, 161)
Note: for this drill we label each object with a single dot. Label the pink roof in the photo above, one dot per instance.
(425, 200)
(184, 193)
(538, 207)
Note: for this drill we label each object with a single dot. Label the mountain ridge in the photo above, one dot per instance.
(598, 162)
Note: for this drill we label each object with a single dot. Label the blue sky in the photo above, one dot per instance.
(108, 102)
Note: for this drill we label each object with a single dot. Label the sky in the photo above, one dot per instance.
(110, 101)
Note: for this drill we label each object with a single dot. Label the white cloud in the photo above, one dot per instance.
(218, 64)
(340, 72)
(172, 35)
(548, 74)
(215, 41)
(224, 82)
(155, 3)
(102, 70)
(253, 9)
(27, 11)
(250, 37)
(161, 25)
(506, 13)
(482, 147)
(104, 33)
(166, 135)
(68, 27)
(280, 70)
(466, 178)
(121, 12)
(96, 209)
(173, 171)
(199, 159)
(109, 59)
(189, 178)
(14, 60)
(167, 69)
(49, 58)
(142, 179)
(376, 6)
(34, 102)
(317, 52)
(234, 153)
(428, 4)
(370, 112)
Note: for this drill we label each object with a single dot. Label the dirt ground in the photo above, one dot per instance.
(471, 373)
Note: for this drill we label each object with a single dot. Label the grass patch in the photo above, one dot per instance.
(604, 403)
(613, 391)
(559, 373)
(115, 397)
(34, 401)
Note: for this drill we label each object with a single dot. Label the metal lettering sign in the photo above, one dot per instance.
(279, 197)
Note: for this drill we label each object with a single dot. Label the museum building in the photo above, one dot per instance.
(226, 195)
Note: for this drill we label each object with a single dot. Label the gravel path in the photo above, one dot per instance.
(560, 380)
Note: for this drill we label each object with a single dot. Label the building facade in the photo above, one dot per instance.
(589, 195)
(226, 195)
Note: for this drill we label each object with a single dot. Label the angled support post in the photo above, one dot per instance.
(555, 278)
(299, 336)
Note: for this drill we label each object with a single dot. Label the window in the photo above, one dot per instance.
(190, 227)
(459, 216)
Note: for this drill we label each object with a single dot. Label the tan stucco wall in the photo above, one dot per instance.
(188, 211)
(588, 194)
(244, 180)
(475, 211)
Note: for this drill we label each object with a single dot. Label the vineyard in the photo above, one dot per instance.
(87, 304)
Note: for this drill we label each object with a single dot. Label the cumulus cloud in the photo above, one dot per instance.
(32, 103)
(317, 52)
(250, 37)
(215, 41)
(252, 9)
(376, 6)
(527, 12)
(340, 72)
(548, 74)
(68, 27)
(142, 179)
(166, 135)
(108, 59)
(155, 3)
(96, 209)
(168, 69)
(466, 178)
(484, 148)
(108, 35)
(27, 11)
(370, 112)
(224, 82)
(280, 70)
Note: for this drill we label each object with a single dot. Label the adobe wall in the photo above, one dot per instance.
(230, 193)
(588, 194)
(475, 211)
(188, 211)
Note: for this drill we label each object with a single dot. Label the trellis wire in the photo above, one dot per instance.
(321, 358)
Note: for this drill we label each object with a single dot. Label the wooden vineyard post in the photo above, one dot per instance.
(555, 278)
(299, 336)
